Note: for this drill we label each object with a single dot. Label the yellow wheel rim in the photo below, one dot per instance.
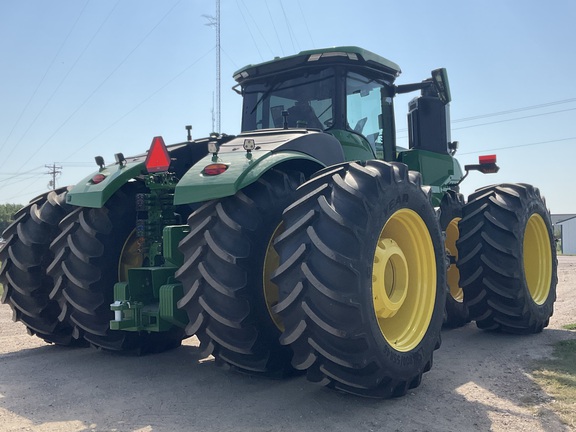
(453, 274)
(271, 292)
(130, 257)
(404, 280)
(537, 259)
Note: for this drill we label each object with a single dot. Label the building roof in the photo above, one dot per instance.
(559, 218)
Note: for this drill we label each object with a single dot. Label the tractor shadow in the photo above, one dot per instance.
(478, 380)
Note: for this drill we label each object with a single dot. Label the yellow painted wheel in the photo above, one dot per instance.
(404, 280)
(271, 263)
(130, 257)
(537, 259)
(453, 274)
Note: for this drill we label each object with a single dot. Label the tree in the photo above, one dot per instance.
(6, 213)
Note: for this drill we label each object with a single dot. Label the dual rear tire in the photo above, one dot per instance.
(25, 258)
(507, 259)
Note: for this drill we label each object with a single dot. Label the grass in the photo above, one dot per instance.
(557, 376)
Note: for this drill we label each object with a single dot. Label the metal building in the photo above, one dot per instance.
(565, 231)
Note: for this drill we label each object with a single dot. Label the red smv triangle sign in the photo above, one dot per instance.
(158, 158)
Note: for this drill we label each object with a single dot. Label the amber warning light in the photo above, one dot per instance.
(158, 159)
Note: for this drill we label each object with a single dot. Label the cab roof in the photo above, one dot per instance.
(352, 55)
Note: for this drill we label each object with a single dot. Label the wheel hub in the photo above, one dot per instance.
(390, 277)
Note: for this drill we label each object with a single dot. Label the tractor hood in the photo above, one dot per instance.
(311, 142)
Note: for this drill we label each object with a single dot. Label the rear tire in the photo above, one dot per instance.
(362, 279)
(25, 258)
(507, 259)
(457, 313)
(88, 256)
(227, 260)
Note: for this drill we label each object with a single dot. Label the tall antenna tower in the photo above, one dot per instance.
(214, 21)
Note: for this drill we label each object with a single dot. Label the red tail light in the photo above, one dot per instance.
(487, 159)
(214, 169)
(98, 178)
(158, 158)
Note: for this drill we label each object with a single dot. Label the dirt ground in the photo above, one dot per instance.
(478, 383)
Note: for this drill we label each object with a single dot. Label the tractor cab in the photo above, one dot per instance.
(346, 92)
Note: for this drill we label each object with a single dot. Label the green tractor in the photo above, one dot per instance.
(308, 242)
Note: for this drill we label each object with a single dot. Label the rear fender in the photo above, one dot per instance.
(243, 169)
(89, 193)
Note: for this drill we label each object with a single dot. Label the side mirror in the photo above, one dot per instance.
(441, 85)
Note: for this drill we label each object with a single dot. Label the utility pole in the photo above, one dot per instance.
(53, 171)
(214, 21)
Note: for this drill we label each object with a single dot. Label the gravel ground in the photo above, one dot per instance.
(479, 382)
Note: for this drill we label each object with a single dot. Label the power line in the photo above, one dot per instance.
(514, 119)
(61, 83)
(22, 191)
(13, 175)
(229, 58)
(99, 86)
(518, 146)
(43, 77)
(142, 102)
(274, 27)
(249, 31)
(499, 113)
(514, 110)
(290, 32)
(305, 23)
(262, 36)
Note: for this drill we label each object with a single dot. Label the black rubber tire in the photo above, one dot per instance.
(451, 206)
(327, 253)
(25, 257)
(87, 256)
(223, 275)
(497, 269)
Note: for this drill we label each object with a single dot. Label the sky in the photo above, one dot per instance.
(81, 78)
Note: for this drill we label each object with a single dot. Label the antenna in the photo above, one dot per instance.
(215, 22)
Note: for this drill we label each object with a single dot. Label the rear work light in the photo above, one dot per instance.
(158, 159)
(214, 169)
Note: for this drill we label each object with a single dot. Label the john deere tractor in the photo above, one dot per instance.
(308, 242)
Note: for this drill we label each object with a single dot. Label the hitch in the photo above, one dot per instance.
(147, 301)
